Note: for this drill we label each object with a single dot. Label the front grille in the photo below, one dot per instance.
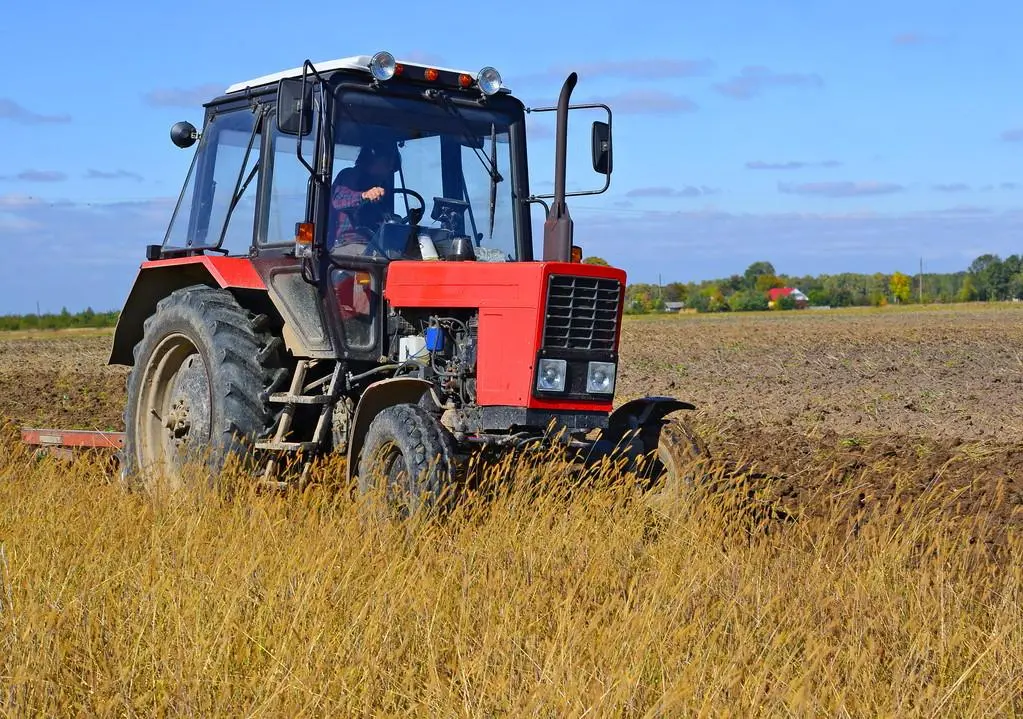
(581, 313)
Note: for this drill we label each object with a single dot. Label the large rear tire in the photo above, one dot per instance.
(199, 387)
(410, 457)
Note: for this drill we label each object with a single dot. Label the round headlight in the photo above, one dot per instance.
(489, 80)
(382, 65)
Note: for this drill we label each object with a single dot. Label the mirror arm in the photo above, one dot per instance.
(581, 106)
(536, 200)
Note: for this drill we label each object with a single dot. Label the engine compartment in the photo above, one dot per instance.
(441, 349)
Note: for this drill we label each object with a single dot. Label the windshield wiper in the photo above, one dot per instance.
(494, 177)
(242, 184)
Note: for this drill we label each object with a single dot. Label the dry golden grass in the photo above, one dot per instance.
(545, 599)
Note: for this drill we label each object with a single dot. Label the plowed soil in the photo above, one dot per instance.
(856, 406)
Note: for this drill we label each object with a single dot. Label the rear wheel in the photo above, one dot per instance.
(198, 389)
(410, 457)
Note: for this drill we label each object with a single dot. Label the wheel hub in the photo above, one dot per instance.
(177, 421)
(188, 417)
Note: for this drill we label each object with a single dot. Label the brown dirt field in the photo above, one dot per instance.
(55, 379)
(941, 373)
(866, 406)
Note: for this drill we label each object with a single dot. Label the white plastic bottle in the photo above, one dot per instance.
(427, 248)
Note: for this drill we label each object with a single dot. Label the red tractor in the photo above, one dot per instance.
(296, 306)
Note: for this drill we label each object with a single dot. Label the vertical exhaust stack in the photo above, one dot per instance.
(557, 230)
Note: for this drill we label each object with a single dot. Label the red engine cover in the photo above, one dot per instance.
(510, 299)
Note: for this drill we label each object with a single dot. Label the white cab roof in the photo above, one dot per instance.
(356, 62)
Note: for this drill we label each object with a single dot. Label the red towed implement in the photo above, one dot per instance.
(62, 442)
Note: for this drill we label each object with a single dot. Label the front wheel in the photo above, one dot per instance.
(410, 456)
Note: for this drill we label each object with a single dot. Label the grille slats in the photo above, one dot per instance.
(581, 313)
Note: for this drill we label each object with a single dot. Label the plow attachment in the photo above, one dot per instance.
(63, 442)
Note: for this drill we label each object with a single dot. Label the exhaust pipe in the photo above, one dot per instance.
(558, 229)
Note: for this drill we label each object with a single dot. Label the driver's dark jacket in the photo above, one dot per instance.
(352, 210)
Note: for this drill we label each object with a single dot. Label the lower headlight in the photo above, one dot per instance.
(600, 377)
(551, 375)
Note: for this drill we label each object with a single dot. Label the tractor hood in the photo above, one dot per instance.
(527, 311)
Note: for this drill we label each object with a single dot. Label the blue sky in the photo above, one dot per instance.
(823, 137)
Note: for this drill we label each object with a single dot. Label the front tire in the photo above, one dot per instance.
(199, 385)
(410, 456)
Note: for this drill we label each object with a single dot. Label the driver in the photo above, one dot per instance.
(356, 195)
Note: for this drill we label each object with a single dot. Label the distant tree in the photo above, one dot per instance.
(1015, 287)
(989, 277)
(715, 299)
(764, 283)
(967, 293)
(734, 283)
(983, 263)
(675, 292)
(699, 302)
(596, 261)
(641, 303)
(1013, 264)
(786, 302)
(756, 270)
(714, 293)
(819, 298)
(900, 287)
(747, 301)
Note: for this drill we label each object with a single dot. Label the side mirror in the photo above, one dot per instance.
(601, 140)
(183, 134)
(294, 108)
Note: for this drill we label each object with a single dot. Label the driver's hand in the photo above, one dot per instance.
(373, 194)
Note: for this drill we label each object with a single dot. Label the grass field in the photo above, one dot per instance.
(865, 563)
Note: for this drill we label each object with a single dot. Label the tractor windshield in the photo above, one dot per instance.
(456, 159)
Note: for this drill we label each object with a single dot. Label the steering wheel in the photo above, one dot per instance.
(418, 212)
(391, 218)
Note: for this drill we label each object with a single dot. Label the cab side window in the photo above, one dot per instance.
(289, 184)
(204, 207)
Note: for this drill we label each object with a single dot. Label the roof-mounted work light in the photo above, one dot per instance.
(382, 65)
(489, 80)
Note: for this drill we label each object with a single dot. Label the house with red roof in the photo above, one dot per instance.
(776, 293)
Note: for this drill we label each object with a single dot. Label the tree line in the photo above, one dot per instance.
(60, 321)
(988, 278)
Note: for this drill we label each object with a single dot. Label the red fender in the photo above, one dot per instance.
(158, 278)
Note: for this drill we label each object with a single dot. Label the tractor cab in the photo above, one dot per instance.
(283, 161)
